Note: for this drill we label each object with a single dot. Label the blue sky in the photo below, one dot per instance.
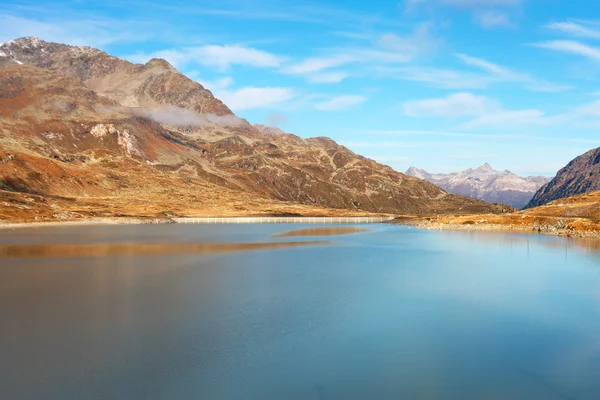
(439, 84)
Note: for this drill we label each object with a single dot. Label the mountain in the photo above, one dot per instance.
(582, 175)
(84, 131)
(485, 183)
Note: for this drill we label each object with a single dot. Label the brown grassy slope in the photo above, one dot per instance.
(59, 138)
(573, 216)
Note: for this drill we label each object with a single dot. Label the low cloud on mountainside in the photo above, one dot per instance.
(182, 117)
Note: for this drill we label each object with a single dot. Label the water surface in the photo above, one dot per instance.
(392, 313)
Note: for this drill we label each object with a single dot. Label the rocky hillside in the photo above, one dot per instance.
(582, 175)
(487, 184)
(78, 124)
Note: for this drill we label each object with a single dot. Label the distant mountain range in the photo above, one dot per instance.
(79, 124)
(487, 184)
(582, 175)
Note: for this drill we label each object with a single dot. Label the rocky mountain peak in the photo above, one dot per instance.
(160, 63)
(28, 41)
(485, 168)
(153, 85)
(416, 172)
(581, 175)
(485, 183)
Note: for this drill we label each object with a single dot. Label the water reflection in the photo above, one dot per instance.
(517, 242)
(136, 249)
(323, 231)
(394, 314)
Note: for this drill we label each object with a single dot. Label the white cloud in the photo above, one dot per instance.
(217, 84)
(499, 73)
(486, 13)
(455, 105)
(180, 116)
(411, 4)
(481, 3)
(488, 66)
(317, 64)
(438, 77)
(221, 57)
(583, 117)
(576, 29)
(493, 19)
(591, 109)
(255, 97)
(329, 77)
(78, 32)
(388, 48)
(420, 41)
(504, 119)
(572, 47)
(454, 79)
(340, 103)
(314, 69)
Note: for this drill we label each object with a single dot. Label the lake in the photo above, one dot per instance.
(253, 312)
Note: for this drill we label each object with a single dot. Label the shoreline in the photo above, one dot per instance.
(528, 229)
(306, 219)
(417, 222)
(85, 222)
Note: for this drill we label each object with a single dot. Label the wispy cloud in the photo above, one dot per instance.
(340, 103)
(582, 117)
(571, 47)
(486, 13)
(221, 57)
(452, 106)
(493, 19)
(436, 77)
(86, 31)
(255, 97)
(488, 75)
(499, 73)
(482, 3)
(183, 117)
(387, 48)
(584, 29)
(247, 98)
(267, 10)
(317, 64)
(506, 119)
(329, 77)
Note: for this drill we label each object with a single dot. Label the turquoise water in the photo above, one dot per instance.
(394, 313)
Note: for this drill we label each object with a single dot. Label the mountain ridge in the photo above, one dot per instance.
(485, 183)
(581, 175)
(68, 113)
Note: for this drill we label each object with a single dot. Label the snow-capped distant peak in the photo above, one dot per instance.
(416, 172)
(485, 183)
(485, 168)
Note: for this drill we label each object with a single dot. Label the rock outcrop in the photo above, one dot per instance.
(582, 175)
